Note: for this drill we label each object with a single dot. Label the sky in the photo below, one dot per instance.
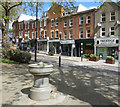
(47, 5)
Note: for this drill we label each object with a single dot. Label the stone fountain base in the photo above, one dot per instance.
(57, 99)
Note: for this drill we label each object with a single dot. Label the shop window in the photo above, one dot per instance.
(81, 20)
(103, 32)
(112, 16)
(81, 33)
(112, 31)
(103, 17)
(65, 35)
(71, 34)
(88, 19)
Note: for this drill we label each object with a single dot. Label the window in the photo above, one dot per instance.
(56, 33)
(65, 35)
(28, 25)
(71, 21)
(56, 22)
(19, 25)
(52, 21)
(45, 22)
(32, 35)
(112, 16)
(112, 31)
(88, 19)
(65, 23)
(28, 34)
(88, 32)
(25, 26)
(52, 34)
(35, 33)
(41, 34)
(81, 33)
(103, 32)
(81, 20)
(45, 34)
(103, 17)
(22, 25)
(71, 34)
(41, 23)
(32, 25)
(35, 24)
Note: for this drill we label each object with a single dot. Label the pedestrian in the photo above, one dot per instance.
(113, 53)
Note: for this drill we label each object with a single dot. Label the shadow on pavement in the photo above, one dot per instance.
(71, 84)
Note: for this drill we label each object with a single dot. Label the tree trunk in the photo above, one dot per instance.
(4, 34)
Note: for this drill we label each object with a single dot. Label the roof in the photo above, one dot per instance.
(24, 17)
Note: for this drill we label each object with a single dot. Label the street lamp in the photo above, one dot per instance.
(36, 32)
(60, 50)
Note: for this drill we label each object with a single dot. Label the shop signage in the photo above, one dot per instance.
(107, 41)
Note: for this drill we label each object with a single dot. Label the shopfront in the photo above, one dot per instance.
(106, 46)
(87, 48)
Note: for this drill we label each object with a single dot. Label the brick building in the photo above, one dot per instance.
(76, 26)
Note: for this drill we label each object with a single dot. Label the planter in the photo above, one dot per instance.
(110, 61)
(94, 59)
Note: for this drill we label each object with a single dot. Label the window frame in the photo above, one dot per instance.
(88, 33)
(112, 16)
(57, 34)
(65, 23)
(45, 33)
(65, 36)
(81, 20)
(112, 31)
(81, 29)
(102, 32)
(71, 23)
(52, 22)
(52, 33)
(103, 17)
(88, 19)
(70, 34)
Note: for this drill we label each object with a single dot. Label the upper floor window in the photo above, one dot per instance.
(81, 20)
(103, 32)
(112, 16)
(52, 34)
(81, 33)
(41, 34)
(65, 23)
(52, 22)
(56, 33)
(28, 34)
(56, 22)
(41, 23)
(32, 25)
(32, 35)
(45, 21)
(28, 25)
(88, 19)
(45, 34)
(71, 21)
(71, 34)
(112, 31)
(65, 34)
(103, 17)
(19, 25)
(25, 26)
(88, 32)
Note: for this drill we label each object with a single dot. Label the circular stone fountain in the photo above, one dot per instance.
(41, 89)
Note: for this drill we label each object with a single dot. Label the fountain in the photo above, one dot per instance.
(41, 89)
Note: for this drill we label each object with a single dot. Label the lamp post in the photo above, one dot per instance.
(60, 50)
(36, 32)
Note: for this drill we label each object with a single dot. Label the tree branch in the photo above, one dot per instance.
(14, 6)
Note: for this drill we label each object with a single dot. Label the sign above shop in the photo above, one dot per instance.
(108, 41)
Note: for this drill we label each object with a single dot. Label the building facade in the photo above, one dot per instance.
(107, 29)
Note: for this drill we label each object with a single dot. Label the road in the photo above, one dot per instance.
(93, 83)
